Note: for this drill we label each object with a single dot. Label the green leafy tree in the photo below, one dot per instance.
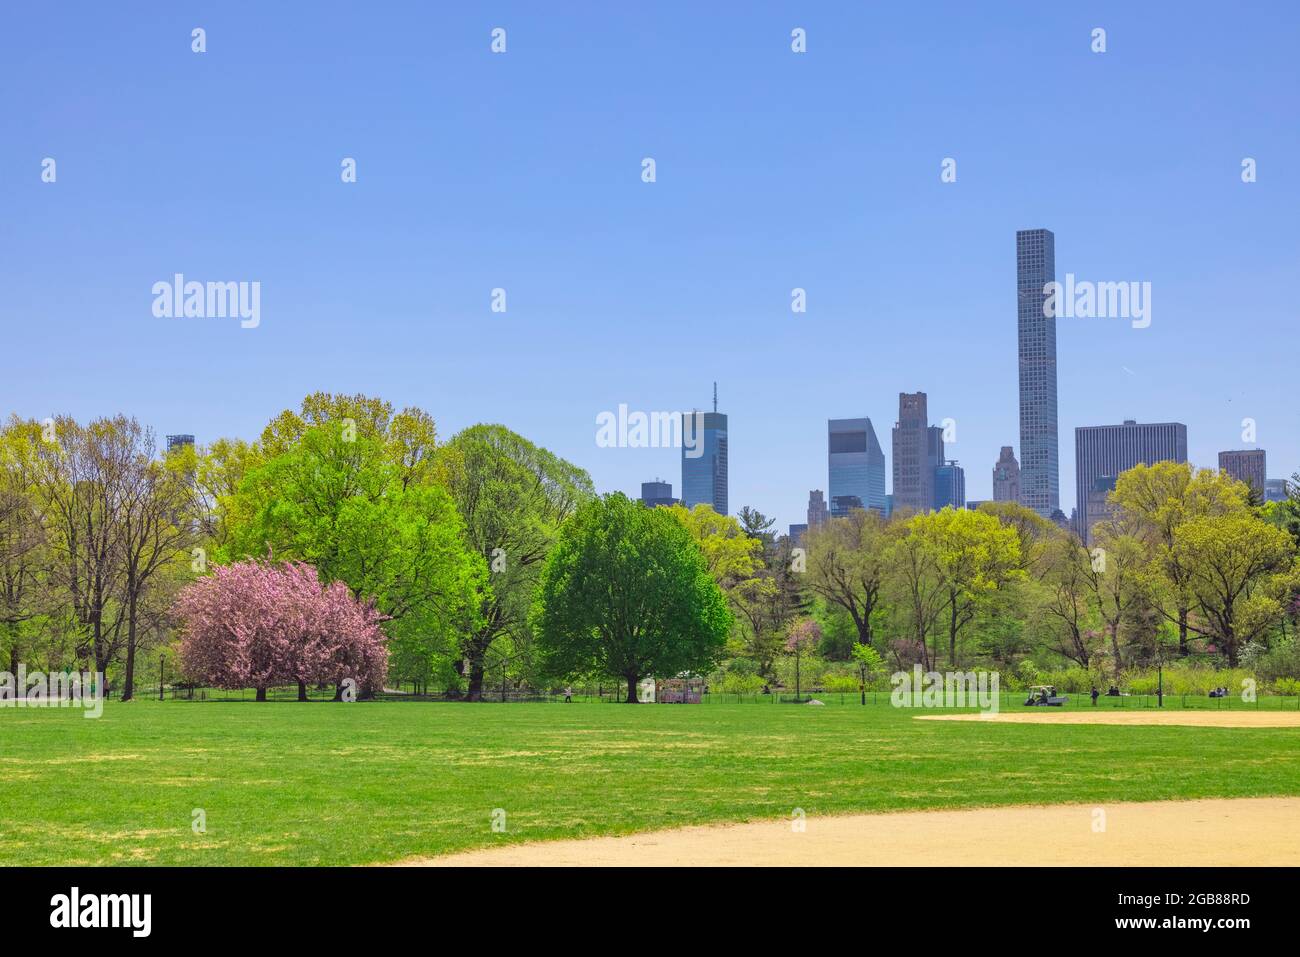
(1065, 600)
(848, 561)
(760, 596)
(625, 591)
(1239, 572)
(757, 525)
(1119, 584)
(513, 498)
(869, 664)
(338, 499)
(23, 552)
(1155, 501)
(973, 555)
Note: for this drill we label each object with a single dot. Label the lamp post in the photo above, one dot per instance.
(162, 659)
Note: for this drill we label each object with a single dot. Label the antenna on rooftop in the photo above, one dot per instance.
(715, 397)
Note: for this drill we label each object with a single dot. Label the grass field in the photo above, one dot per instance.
(320, 783)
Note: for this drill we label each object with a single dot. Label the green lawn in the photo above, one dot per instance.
(323, 783)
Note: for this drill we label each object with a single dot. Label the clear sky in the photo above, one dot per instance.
(774, 170)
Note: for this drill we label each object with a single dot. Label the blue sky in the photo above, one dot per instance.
(774, 170)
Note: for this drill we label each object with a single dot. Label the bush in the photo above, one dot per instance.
(735, 683)
(840, 684)
(1287, 686)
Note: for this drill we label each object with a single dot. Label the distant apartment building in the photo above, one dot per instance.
(176, 441)
(704, 460)
(973, 505)
(1006, 476)
(1246, 465)
(918, 451)
(818, 513)
(797, 533)
(657, 492)
(855, 466)
(1102, 451)
(1274, 490)
(949, 486)
(1036, 343)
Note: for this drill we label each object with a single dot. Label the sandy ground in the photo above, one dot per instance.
(1192, 719)
(1241, 831)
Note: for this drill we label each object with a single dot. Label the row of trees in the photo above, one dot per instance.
(1187, 567)
(487, 554)
(95, 536)
(98, 533)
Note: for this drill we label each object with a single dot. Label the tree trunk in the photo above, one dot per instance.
(338, 691)
(302, 691)
(128, 684)
(261, 694)
(952, 632)
(1182, 632)
(474, 690)
(631, 689)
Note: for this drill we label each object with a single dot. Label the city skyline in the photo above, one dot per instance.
(775, 171)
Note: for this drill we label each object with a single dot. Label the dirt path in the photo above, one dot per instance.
(1192, 719)
(1242, 831)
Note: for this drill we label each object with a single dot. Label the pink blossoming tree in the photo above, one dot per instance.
(802, 638)
(257, 624)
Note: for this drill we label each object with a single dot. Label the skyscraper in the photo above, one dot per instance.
(1099, 508)
(657, 492)
(704, 458)
(176, 441)
(1006, 477)
(949, 486)
(918, 451)
(1039, 466)
(1105, 451)
(817, 511)
(1246, 465)
(856, 466)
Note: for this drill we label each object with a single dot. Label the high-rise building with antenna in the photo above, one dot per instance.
(704, 458)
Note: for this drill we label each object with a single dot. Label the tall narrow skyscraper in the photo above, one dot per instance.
(704, 458)
(1040, 487)
(918, 451)
(855, 466)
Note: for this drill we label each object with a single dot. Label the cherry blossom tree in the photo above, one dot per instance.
(258, 624)
(803, 636)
